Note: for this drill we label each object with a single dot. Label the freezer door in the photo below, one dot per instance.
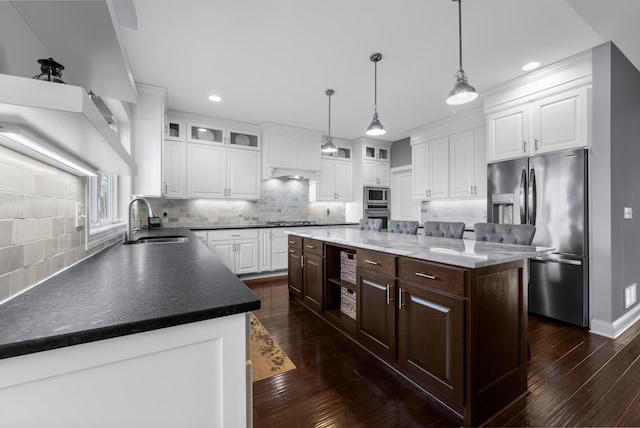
(507, 191)
(558, 288)
(558, 201)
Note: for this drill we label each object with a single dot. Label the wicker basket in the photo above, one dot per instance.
(348, 302)
(348, 266)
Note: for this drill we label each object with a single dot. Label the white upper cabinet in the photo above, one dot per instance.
(222, 173)
(375, 151)
(174, 169)
(243, 139)
(561, 121)
(336, 175)
(552, 123)
(431, 169)
(468, 165)
(174, 129)
(543, 111)
(148, 116)
(205, 134)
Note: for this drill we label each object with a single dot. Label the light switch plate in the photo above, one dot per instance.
(80, 215)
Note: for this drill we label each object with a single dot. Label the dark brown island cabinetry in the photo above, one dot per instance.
(295, 263)
(458, 333)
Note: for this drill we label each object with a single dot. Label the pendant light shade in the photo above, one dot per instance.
(462, 92)
(376, 128)
(327, 144)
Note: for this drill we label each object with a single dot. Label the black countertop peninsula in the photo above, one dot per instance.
(122, 290)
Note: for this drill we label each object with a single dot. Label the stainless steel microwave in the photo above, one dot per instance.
(376, 196)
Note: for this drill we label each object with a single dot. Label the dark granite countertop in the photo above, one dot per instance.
(123, 290)
(261, 226)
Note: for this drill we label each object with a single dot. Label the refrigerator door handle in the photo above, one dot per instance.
(532, 197)
(523, 189)
(554, 260)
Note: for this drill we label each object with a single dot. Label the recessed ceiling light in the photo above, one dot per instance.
(215, 98)
(531, 66)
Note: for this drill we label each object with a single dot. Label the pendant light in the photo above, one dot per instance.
(462, 92)
(376, 127)
(327, 144)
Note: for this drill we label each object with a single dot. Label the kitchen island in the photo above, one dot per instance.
(449, 315)
(148, 334)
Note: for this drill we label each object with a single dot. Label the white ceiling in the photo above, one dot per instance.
(272, 60)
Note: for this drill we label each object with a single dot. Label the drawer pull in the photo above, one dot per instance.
(424, 275)
(310, 246)
(236, 235)
(292, 251)
(371, 262)
(292, 242)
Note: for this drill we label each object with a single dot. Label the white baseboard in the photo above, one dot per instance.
(616, 328)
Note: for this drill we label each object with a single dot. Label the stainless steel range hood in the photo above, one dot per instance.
(66, 117)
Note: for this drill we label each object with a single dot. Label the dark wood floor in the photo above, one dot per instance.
(575, 378)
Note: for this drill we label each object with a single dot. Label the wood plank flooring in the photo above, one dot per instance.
(575, 378)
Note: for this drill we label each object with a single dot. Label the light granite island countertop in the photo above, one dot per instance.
(457, 252)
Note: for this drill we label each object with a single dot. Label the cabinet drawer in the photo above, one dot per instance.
(224, 235)
(432, 275)
(295, 241)
(376, 261)
(313, 246)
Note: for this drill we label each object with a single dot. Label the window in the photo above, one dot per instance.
(102, 200)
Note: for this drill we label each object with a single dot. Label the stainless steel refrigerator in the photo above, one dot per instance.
(550, 192)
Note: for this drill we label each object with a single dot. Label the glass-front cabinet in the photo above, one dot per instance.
(209, 134)
(375, 152)
(174, 129)
(243, 139)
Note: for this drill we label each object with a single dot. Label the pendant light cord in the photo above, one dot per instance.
(375, 87)
(460, 31)
(329, 116)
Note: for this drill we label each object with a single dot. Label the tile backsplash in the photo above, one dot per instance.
(282, 199)
(469, 212)
(38, 237)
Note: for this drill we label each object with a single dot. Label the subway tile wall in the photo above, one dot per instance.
(469, 212)
(38, 237)
(282, 199)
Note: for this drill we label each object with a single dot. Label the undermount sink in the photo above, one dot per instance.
(161, 240)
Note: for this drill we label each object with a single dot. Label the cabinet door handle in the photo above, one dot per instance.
(371, 262)
(475, 190)
(388, 299)
(535, 142)
(524, 146)
(471, 189)
(424, 275)
(400, 298)
(302, 261)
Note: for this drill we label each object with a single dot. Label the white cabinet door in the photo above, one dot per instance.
(243, 179)
(265, 250)
(561, 121)
(439, 166)
(384, 174)
(326, 188)
(174, 174)
(279, 249)
(462, 174)
(480, 162)
(508, 133)
(246, 256)
(148, 117)
(343, 180)
(420, 171)
(225, 252)
(206, 171)
(370, 172)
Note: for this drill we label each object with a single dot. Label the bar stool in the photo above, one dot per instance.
(371, 224)
(443, 229)
(399, 226)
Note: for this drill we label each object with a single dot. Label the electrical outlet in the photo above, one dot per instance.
(328, 211)
(80, 216)
(165, 213)
(628, 213)
(630, 296)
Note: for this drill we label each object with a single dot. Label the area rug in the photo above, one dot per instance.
(266, 355)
